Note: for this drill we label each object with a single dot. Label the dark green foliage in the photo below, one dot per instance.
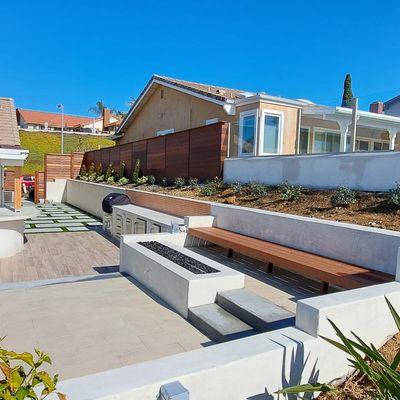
(136, 172)
(91, 169)
(237, 188)
(179, 182)
(152, 179)
(258, 190)
(209, 189)
(193, 183)
(109, 172)
(343, 197)
(393, 198)
(347, 92)
(164, 181)
(121, 171)
(99, 169)
(290, 192)
(83, 171)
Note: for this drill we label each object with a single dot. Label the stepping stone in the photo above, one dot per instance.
(43, 230)
(97, 223)
(77, 228)
(218, 324)
(65, 224)
(255, 310)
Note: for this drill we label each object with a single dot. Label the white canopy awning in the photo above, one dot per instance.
(13, 157)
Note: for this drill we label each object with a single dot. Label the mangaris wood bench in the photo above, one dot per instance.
(326, 270)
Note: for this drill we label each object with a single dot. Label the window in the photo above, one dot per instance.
(327, 142)
(304, 140)
(362, 145)
(247, 132)
(162, 93)
(165, 132)
(211, 121)
(270, 132)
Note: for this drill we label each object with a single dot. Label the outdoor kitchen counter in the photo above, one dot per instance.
(12, 226)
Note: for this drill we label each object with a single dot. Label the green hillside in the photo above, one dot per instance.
(39, 143)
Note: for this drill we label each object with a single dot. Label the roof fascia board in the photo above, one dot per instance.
(262, 98)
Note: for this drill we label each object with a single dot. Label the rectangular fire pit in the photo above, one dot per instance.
(179, 276)
(179, 258)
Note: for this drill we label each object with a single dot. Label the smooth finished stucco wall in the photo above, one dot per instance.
(355, 244)
(369, 171)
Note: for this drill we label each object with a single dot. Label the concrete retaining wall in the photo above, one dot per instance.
(257, 366)
(355, 244)
(370, 171)
(88, 196)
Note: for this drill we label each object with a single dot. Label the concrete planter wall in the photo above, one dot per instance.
(180, 288)
(370, 171)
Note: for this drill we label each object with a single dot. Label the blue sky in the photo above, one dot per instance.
(77, 52)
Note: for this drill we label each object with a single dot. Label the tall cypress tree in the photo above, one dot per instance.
(347, 92)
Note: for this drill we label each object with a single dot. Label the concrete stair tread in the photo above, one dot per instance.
(255, 310)
(218, 324)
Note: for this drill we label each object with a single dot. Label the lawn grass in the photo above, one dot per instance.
(39, 143)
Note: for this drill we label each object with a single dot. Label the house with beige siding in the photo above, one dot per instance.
(260, 124)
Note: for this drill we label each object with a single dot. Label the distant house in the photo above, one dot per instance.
(48, 121)
(260, 124)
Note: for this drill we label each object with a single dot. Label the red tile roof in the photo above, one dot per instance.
(52, 119)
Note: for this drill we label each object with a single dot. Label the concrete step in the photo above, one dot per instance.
(255, 310)
(218, 324)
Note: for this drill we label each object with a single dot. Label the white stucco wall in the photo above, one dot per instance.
(355, 244)
(56, 190)
(370, 171)
(88, 196)
(258, 365)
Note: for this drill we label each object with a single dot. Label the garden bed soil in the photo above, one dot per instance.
(358, 387)
(370, 209)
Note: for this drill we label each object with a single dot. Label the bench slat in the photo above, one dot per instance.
(325, 269)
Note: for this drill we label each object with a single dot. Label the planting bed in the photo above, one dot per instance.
(177, 257)
(370, 209)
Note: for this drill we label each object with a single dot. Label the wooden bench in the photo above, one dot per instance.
(326, 270)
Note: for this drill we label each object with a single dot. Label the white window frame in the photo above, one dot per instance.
(211, 121)
(371, 142)
(165, 132)
(242, 115)
(274, 113)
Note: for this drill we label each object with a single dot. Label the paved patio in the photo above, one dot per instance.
(93, 325)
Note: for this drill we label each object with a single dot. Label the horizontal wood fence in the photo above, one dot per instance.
(197, 153)
(40, 186)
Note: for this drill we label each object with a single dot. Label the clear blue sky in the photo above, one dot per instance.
(78, 52)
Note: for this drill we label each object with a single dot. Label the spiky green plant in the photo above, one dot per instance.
(367, 361)
(136, 172)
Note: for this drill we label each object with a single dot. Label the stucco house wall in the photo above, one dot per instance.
(171, 109)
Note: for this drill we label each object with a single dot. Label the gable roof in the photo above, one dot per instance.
(9, 134)
(216, 92)
(52, 119)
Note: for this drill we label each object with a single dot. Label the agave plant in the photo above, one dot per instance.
(367, 361)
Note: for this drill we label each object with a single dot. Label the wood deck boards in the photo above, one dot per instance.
(324, 269)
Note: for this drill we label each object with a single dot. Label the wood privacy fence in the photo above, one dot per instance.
(197, 153)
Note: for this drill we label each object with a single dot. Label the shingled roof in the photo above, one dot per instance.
(216, 92)
(9, 135)
(52, 119)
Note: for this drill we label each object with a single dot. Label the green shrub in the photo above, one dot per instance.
(179, 182)
(100, 178)
(237, 188)
(343, 197)
(393, 198)
(83, 171)
(121, 173)
(99, 169)
(152, 179)
(23, 377)
(122, 181)
(209, 189)
(92, 177)
(110, 180)
(91, 169)
(367, 362)
(142, 180)
(193, 183)
(164, 181)
(290, 192)
(257, 189)
(109, 172)
(218, 183)
(136, 172)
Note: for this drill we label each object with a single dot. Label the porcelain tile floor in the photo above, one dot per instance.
(94, 325)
